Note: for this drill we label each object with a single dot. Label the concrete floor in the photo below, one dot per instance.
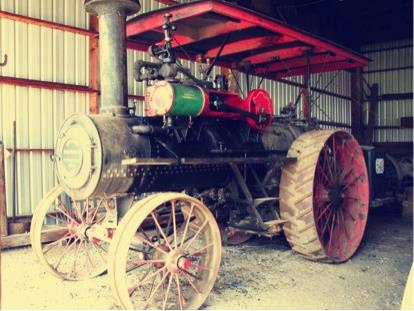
(259, 274)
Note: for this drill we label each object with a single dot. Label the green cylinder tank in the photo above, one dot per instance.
(175, 99)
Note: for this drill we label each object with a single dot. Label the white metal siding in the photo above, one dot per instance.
(67, 12)
(39, 53)
(398, 54)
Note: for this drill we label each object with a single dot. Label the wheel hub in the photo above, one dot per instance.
(81, 231)
(335, 195)
(175, 260)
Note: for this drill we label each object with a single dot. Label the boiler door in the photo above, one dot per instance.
(78, 155)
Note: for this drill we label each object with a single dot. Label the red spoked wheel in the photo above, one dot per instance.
(58, 235)
(325, 195)
(165, 253)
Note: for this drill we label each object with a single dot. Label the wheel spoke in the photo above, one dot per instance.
(95, 246)
(195, 235)
(49, 246)
(180, 296)
(331, 230)
(167, 292)
(344, 224)
(160, 230)
(200, 267)
(88, 257)
(150, 244)
(186, 224)
(59, 220)
(327, 222)
(77, 212)
(155, 290)
(76, 258)
(67, 215)
(86, 208)
(134, 287)
(68, 247)
(191, 284)
(323, 212)
(199, 251)
(334, 155)
(348, 184)
(95, 211)
(174, 222)
(327, 164)
(190, 274)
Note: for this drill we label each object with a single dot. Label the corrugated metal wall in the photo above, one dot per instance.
(52, 55)
(39, 53)
(391, 68)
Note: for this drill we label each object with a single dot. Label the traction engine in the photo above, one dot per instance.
(151, 199)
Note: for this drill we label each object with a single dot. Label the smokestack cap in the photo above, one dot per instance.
(99, 7)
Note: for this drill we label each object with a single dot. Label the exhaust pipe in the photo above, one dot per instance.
(112, 52)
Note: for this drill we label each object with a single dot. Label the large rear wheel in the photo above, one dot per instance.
(324, 195)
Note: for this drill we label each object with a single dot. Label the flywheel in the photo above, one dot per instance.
(324, 195)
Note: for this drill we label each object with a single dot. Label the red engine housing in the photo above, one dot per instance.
(257, 101)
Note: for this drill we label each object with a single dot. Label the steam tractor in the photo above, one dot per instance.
(150, 199)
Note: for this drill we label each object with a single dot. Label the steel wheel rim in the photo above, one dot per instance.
(341, 196)
(69, 256)
(164, 277)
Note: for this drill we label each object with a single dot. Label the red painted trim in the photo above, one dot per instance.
(152, 21)
(315, 68)
(40, 22)
(244, 45)
(94, 64)
(137, 97)
(133, 45)
(46, 84)
(282, 53)
(294, 63)
(213, 31)
(55, 86)
(40, 150)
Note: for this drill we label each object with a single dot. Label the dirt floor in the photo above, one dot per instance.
(259, 274)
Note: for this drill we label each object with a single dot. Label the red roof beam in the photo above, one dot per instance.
(214, 30)
(270, 55)
(245, 45)
(144, 24)
(285, 64)
(339, 65)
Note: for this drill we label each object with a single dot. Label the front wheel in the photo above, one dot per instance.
(58, 236)
(165, 253)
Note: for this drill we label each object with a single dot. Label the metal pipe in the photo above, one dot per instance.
(15, 194)
(112, 51)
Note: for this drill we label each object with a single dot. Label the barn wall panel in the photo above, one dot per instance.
(39, 53)
(391, 68)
